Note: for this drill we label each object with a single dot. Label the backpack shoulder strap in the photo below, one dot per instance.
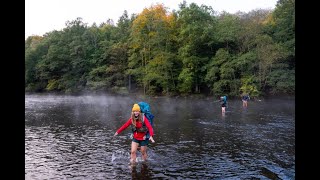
(142, 118)
(143, 124)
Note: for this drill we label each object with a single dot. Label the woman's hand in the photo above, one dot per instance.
(151, 139)
(115, 134)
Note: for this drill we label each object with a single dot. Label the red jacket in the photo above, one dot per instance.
(137, 135)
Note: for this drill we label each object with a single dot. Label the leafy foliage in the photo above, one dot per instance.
(191, 50)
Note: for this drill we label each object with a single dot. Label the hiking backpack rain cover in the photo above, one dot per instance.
(146, 110)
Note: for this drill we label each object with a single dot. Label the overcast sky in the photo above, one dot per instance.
(42, 16)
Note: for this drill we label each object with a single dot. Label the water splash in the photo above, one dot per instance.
(119, 156)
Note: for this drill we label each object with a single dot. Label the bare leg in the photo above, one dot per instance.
(133, 156)
(223, 110)
(144, 152)
(245, 103)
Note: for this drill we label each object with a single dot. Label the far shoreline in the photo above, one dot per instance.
(141, 95)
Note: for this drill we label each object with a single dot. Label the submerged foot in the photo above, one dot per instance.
(132, 162)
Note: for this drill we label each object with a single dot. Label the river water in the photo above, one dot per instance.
(70, 137)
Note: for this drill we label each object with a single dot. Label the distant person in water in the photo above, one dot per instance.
(139, 133)
(245, 98)
(223, 102)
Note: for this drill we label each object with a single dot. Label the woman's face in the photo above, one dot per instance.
(136, 113)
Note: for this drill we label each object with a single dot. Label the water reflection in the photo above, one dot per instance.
(69, 137)
(141, 171)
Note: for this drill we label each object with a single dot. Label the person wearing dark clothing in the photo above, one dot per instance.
(245, 98)
(223, 102)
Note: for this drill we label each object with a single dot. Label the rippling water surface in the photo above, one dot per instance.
(70, 137)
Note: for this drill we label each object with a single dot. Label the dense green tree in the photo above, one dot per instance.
(227, 30)
(35, 50)
(221, 74)
(196, 25)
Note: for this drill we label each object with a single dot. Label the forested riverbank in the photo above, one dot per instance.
(190, 51)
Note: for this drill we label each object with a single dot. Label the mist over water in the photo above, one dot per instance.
(70, 137)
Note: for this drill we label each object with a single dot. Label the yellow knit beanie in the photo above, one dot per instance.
(136, 107)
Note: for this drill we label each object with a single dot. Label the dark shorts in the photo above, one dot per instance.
(223, 105)
(141, 142)
(245, 98)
